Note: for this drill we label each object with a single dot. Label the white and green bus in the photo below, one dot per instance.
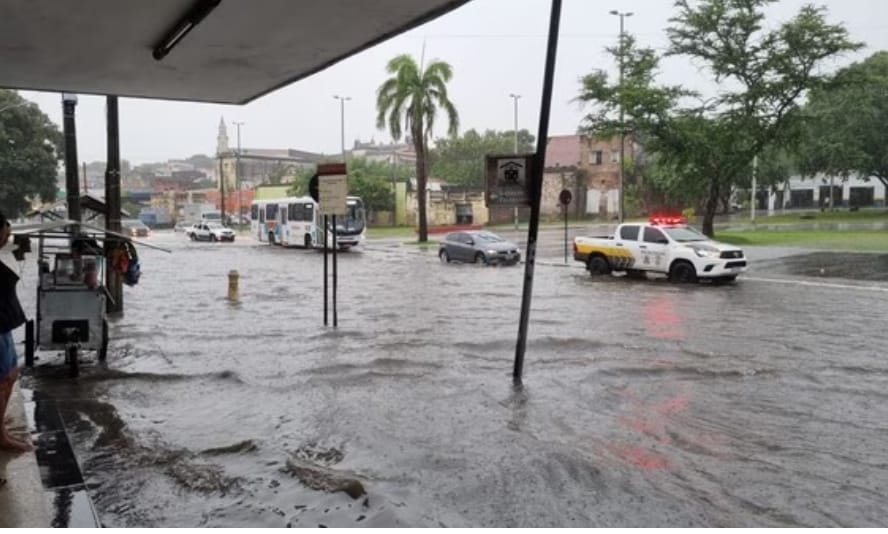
(296, 221)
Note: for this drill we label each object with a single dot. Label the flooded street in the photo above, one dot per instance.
(761, 403)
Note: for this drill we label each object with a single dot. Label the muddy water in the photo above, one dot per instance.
(645, 404)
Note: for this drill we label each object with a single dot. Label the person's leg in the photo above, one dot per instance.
(8, 376)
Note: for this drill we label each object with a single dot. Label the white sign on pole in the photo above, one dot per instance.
(332, 194)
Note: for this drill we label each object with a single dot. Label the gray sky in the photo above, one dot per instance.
(496, 47)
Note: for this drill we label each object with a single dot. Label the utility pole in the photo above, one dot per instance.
(342, 100)
(237, 171)
(622, 16)
(515, 98)
(755, 160)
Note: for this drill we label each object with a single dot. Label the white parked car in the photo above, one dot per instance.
(209, 232)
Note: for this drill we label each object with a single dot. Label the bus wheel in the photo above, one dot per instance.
(307, 241)
(271, 238)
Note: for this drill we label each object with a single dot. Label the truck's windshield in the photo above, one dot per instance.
(685, 234)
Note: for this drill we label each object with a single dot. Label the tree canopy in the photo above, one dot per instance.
(460, 160)
(410, 99)
(762, 73)
(30, 149)
(845, 123)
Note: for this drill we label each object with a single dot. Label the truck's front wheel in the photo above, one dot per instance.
(682, 272)
(598, 265)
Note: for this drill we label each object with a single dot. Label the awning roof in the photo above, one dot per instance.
(242, 50)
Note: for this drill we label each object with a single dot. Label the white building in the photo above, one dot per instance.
(814, 193)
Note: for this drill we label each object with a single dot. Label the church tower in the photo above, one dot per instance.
(222, 138)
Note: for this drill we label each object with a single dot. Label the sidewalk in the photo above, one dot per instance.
(22, 498)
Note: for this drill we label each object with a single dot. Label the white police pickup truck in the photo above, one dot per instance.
(664, 245)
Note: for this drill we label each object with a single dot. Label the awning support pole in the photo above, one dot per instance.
(536, 187)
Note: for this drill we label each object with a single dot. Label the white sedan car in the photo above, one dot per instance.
(209, 232)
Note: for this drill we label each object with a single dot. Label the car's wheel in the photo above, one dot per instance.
(480, 258)
(682, 272)
(192, 237)
(307, 241)
(598, 265)
(444, 256)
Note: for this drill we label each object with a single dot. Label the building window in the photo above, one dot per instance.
(615, 156)
(595, 157)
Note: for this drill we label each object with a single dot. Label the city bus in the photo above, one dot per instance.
(296, 221)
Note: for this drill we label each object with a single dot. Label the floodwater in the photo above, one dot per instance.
(761, 403)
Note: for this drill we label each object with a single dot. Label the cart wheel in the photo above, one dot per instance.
(29, 343)
(103, 349)
(72, 356)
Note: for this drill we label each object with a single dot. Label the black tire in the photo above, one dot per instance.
(192, 237)
(682, 272)
(636, 274)
(598, 265)
(29, 343)
(71, 354)
(103, 348)
(444, 256)
(307, 241)
(481, 258)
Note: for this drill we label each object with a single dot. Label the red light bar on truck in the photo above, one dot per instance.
(667, 220)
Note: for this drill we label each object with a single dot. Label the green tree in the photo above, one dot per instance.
(460, 160)
(410, 100)
(30, 149)
(845, 131)
(762, 73)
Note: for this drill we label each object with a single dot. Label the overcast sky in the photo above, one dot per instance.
(496, 47)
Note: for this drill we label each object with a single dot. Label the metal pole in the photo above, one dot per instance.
(565, 234)
(342, 100)
(515, 98)
(536, 184)
(326, 249)
(113, 279)
(335, 317)
(237, 171)
(622, 123)
(752, 208)
(222, 186)
(72, 181)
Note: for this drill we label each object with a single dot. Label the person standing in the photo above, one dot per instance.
(11, 317)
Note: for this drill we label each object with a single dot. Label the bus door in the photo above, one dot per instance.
(283, 227)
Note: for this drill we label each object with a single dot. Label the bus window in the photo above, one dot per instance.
(308, 212)
(271, 212)
(261, 216)
(254, 212)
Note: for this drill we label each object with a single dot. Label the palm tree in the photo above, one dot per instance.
(415, 96)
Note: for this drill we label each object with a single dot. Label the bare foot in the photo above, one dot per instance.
(8, 443)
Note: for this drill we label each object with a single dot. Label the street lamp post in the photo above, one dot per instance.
(72, 182)
(237, 172)
(342, 100)
(622, 16)
(515, 98)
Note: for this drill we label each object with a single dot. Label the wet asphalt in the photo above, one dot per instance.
(756, 404)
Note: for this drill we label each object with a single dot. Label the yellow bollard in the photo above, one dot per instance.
(233, 294)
